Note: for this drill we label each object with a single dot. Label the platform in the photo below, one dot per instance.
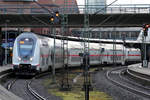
(5, 67)
(139, 69)
(4, 93)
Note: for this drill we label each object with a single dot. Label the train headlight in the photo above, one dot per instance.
(19, 58)
(31, 59)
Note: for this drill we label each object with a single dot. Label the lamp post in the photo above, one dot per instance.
(145, 60)
(54, 46)
(145, 33)
(54, 80)
(123, 39)
(6, 22)
(114, 47)
(86, 51)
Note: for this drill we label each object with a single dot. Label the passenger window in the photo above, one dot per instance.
(102, 50)
(44, 43)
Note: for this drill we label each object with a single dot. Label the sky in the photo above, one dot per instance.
(81, 2)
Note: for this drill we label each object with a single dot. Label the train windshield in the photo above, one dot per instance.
(26, 47)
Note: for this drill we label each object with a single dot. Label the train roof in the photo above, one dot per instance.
(111, 46)
(135, 49)
(94, 46)
(73, 44)
(27, 34)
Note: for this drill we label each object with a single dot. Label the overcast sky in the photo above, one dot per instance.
(81, 2)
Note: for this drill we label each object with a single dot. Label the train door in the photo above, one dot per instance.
(105, 56)
(97, 57)
(120, 57)
(115, 56)
(111, 56)
(102, 53)
(93, 54)
(124, 53)
(75, 58)
(69, 58)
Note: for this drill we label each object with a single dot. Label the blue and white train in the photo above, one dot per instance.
(34, 54)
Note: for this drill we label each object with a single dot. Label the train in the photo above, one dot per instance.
(34, 54)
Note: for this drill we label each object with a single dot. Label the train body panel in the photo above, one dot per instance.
(94, 52)
(58, 53)
(74, 49)
(113, 54)
(44, 54)
(133, 55)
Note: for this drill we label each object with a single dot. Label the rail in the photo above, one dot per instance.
(74, 9)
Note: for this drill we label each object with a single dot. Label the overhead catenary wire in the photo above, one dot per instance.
(48, 10)
(41, 21)
(101, 10)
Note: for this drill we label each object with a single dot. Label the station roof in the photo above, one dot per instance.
(75, 20)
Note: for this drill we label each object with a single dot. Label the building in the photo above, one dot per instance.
(130, 33)
(52, 5)
(96, 6)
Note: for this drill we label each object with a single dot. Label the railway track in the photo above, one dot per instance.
(130, 81)
(139, 76)
(23, 86)
(116, 77)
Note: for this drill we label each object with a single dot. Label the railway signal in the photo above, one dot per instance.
(55, 18)
(145, 29)
(52, 19)
(57, 14)
(145, 33)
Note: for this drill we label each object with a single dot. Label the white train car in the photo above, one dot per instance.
(33, 53)
(112, 54)
(74, 49)
(133, 55)
(94, 51)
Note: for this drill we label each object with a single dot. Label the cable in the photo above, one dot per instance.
(40, 20)
(49, 11)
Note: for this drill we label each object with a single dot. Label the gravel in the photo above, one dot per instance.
(20, 89)
(101, 83)
(40, 89)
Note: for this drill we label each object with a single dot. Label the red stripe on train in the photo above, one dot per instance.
(94, 55)
(106, 55)
(134, 55)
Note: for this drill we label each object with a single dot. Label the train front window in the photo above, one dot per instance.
(26, 47)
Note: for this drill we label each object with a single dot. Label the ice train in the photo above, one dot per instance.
(33, 53)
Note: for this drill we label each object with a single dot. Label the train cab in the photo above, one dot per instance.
(24, 53)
